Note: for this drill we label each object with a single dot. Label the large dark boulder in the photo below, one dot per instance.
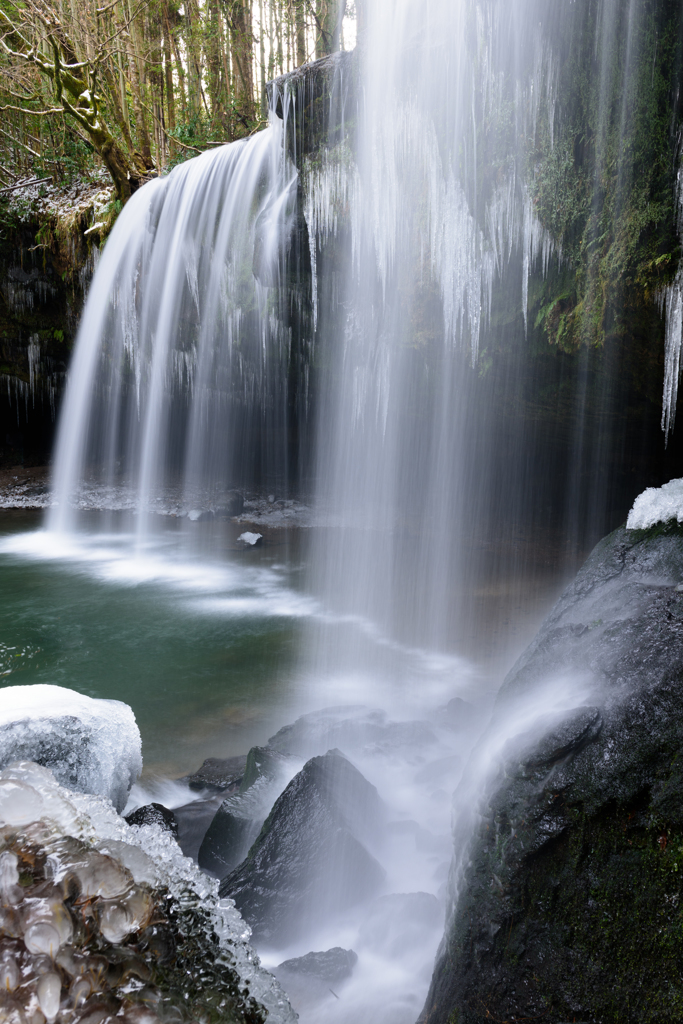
(571, 892)
(310, 859)
(239, 818)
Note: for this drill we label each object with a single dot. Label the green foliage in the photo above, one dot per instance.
(603, 185)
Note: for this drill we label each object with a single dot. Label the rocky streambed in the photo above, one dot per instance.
(330, 846)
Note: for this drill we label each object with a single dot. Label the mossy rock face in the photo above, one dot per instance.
(572, 900)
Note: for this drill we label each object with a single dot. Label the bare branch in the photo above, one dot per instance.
(27, 110)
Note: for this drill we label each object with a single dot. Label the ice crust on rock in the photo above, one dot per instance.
(657, 505)
(91, 746)
(99, 881)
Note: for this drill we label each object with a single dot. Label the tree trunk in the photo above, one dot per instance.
(328, 15)
(300, 22)
(241, 40)
(168, 70)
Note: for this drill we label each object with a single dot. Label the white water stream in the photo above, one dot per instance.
(179, 364)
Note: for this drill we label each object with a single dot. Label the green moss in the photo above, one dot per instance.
(603, 185)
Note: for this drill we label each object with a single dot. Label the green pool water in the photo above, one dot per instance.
(205, 657)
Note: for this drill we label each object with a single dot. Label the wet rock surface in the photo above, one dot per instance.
(193, 820)
(309, 979)
(154, 814)
(238, 820)
(571, 903)
(310, 860)
(332, 965)
(222, 773)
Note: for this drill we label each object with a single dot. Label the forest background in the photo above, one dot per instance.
(136, 86)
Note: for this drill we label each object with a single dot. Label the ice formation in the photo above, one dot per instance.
(92, 746)
(99, 920)
(657, 505)
(250, 539)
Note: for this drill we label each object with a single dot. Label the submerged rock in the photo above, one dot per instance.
(571, 894)
(309, 860)
(193, 820)
(92, 746)
(308, 980)
(351, 728)
(238, 820)
(400, 922)
(218, 773)
(100, 921)
(332, 965)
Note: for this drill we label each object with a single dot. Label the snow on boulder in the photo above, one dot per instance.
(91, 746)
(657, 505)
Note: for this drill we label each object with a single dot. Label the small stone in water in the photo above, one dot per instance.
(251, 539)
(49, 995)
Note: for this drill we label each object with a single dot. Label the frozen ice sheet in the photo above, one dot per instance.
(91, 746)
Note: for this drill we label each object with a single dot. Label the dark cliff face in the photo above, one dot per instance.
(570, 905)
(42, 284)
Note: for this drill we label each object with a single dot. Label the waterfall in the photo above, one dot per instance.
(178, 386)
(405, 467)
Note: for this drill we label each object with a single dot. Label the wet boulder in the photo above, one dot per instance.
(311, 858)
(309, 979)
(238, 820)
(193, 820)
(332, 965)
(571, 890)
(91, 746)
(154, 814)
(221, 773)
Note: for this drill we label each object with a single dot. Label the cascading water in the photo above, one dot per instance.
(179, 380)
(436, 209)
(405, 459)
